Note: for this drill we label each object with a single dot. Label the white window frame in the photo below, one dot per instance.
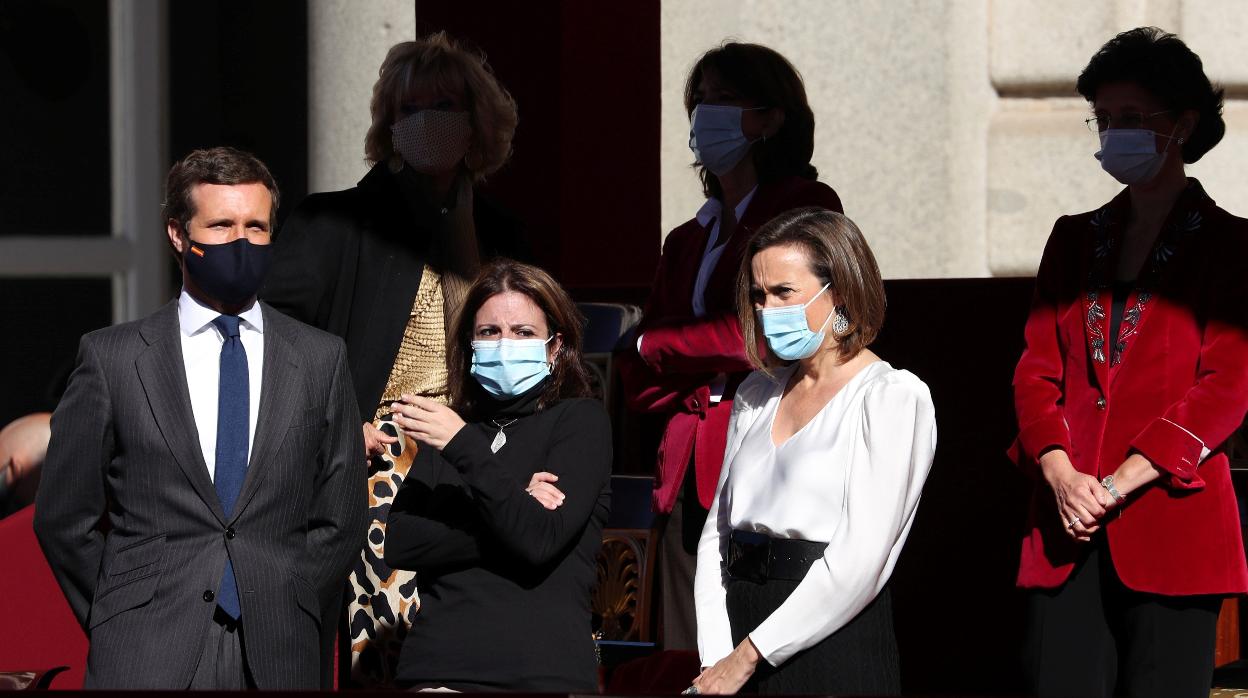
(134, 256)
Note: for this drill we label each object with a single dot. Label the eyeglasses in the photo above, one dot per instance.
(1101, 122)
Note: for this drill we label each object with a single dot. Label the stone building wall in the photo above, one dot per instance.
(952, 129)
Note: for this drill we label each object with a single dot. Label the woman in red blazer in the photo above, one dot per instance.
(752, 133)
(1134, 375)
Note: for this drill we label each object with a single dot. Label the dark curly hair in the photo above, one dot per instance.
(1161, 64)
(768, 79)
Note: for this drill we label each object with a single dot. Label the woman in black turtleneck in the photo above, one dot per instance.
(502, 514)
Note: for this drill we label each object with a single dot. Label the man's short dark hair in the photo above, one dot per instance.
(221, 165)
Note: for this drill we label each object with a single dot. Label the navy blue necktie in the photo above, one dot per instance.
(233, 404)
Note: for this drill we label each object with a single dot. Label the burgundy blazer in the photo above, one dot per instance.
(1172, 386)
(682, 354)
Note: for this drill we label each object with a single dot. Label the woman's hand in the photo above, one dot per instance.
(1081, 500)
(426, 421)
(730, 673)
(376, 440)
(544, 492)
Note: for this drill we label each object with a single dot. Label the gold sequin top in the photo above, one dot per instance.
(420, 366)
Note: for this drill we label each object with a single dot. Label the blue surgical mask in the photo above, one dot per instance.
(716, 139)
(788, 334)
(1130, 154)
(509, 367)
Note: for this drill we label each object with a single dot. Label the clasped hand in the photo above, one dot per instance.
(425, 420)
(1082, 501)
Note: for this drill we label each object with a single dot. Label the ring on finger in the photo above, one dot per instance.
(1072, 522)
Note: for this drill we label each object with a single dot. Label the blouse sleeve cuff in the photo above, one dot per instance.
(711, 651)
(771, 649)
(1173, 449)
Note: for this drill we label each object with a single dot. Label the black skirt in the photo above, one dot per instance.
(859, 659)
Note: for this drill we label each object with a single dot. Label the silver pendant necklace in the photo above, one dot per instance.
(500, 439)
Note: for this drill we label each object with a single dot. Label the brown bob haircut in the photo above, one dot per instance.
(568, 375)
(438, 62)
(838, 255)
(221, 165)
(761, 75)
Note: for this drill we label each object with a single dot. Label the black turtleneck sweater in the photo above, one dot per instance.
(505, 583)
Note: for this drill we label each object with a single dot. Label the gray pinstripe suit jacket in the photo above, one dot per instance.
(131, 524)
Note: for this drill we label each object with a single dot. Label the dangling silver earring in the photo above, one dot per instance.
(1181, 140)
(840, 323)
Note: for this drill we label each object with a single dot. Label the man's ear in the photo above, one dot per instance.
(179, 241)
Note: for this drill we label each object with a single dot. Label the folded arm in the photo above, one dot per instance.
(1178, 441)
(430, 522)
(580, 454)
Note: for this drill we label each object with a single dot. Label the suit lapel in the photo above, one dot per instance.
(163, 375)
(277, 404)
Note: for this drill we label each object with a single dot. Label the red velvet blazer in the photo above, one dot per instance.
(1172, 386)
(682, 354)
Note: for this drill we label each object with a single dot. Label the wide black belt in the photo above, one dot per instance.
(757, 557)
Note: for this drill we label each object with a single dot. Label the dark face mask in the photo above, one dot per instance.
(230, 272)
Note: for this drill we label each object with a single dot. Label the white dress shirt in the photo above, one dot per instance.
(850, 477)
(201, 354)
(711, 214)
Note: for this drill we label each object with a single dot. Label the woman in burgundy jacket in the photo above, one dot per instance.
(752, 133)
(1134, 375)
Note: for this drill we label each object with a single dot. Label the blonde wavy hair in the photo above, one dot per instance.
(439, 62)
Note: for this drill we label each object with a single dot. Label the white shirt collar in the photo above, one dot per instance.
(712, 208)
(194, 317)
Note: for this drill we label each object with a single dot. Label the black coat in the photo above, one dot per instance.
(349, 262)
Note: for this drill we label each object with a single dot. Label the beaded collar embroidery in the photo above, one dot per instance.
(1184, 220)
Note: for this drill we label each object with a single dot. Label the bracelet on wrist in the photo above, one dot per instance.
(1108, 484)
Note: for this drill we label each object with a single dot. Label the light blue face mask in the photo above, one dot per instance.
(1130, 155)
(788, 334)
(715, 137)
(509, 367)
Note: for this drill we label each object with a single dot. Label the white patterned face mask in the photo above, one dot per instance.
(432, 141)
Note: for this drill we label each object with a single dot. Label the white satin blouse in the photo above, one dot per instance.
(850, 477)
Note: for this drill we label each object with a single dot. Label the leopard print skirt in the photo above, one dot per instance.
(383, 601)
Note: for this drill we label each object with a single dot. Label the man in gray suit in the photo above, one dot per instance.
(203, 495)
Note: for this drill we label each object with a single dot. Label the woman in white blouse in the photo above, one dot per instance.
(828, 450)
